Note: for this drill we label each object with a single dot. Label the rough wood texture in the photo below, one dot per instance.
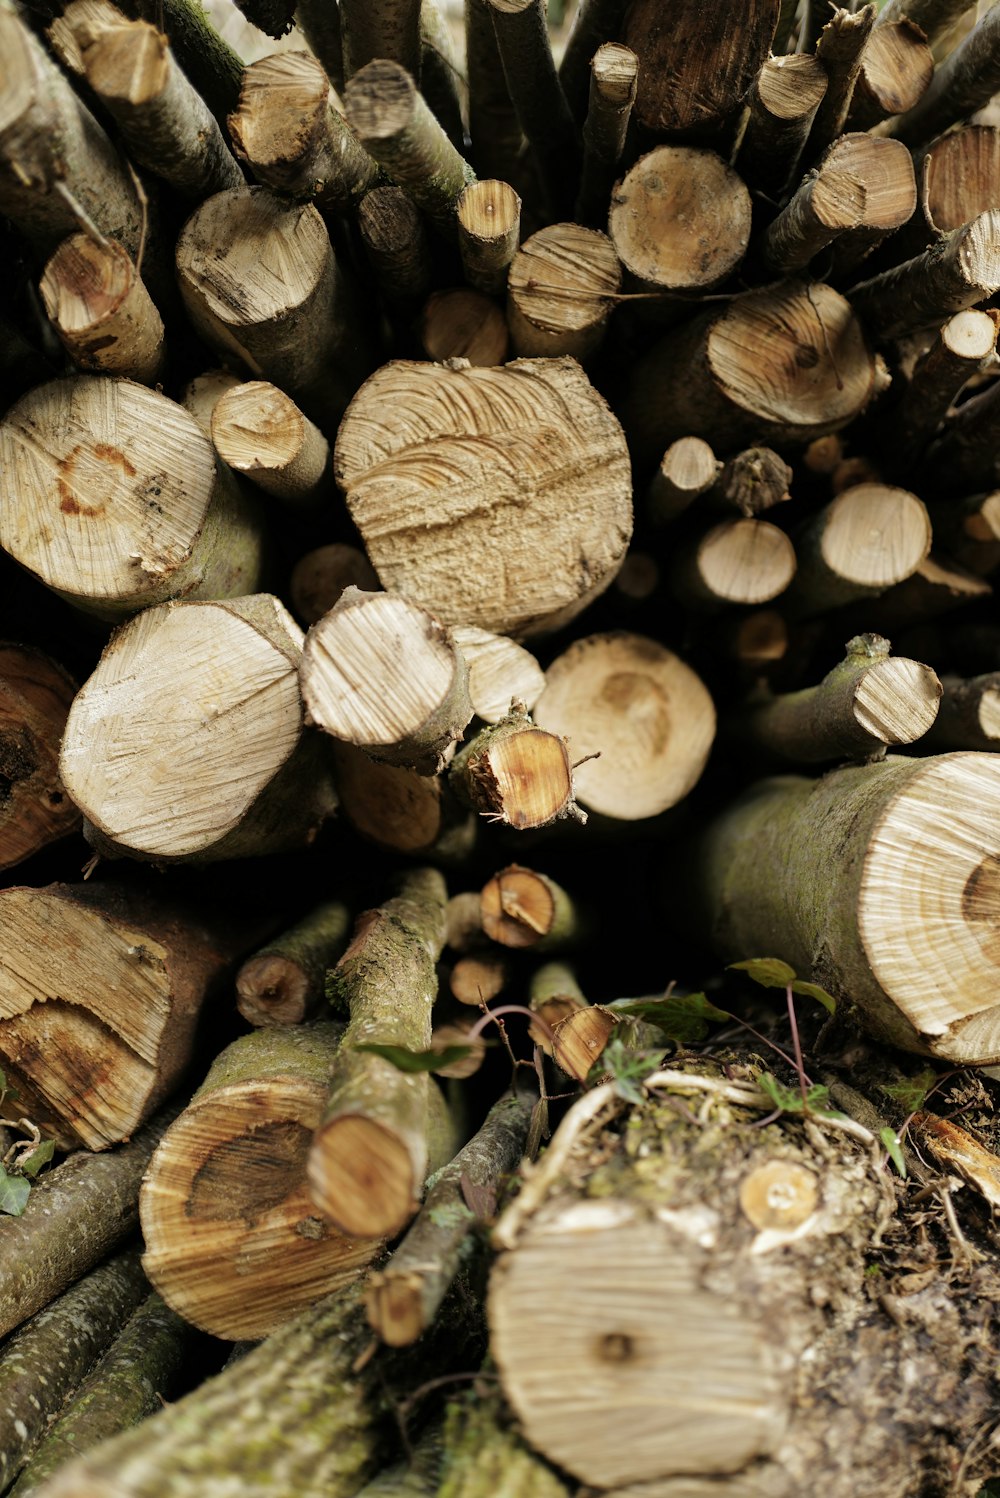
(288, 131)
(680, 220)
(645, 711)
(102, 312)
(896, 69)
(964, 82)
(374, 1145)
(932, 16)
(957, 180)
(840, 48)
(962, 269)
(753, 481)
(869, 538)
(745, 561)
(230, 771)
(561, 290)
(489, 231)
(389, 29)
(613, 73)
(782, 365)
(594, 23)
(382, 673)
(523, 469)
(500, 672)
(284, 983)
(319, 578)
(969, 717)
(233, 1242)
(783, 105)
(91, 1067)
(395, 238)
(165, 124)
(688, 468)
(516, 774)
(110, 494)
(200, 395)
(463, 324)
(260, 432)
(35, 697)
(493, 123)
(523, 908)
(894, 924)
(539, 102)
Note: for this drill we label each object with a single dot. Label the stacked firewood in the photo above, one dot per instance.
(485, 537)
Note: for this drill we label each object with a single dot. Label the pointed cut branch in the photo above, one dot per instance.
(394, 234)
(871, 537)
(753, 481)
(396, 127)
(403, 1299)
(384, 674)
(642, 709)
(783, 105)
(516, 773)
(964, 82)
(876, 882)
(963, 346)
(489, 231)
(745, 561)
(561, 290)
(319, 578)
(373, 1148)
(166, 125)
(232, 1239)
(613, 75)
(260, 432)
(896, 69)
(229, 772)
(284, 983)
(523, 908)
(840, 49)
(287, 129)
(102, 312)
(464, 324)
(963, 268)
(688, 468)
(35, 697)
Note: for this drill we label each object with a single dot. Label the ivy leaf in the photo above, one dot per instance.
(911, 1092)
(417, 1061)
(39, 1156)
(627, 1068)
(14, 1193)
(769, 972)
(813, 991)
(890, 1139)
(680, 1017)
(789, 1099)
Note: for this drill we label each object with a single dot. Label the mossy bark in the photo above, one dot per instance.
(483, 1455)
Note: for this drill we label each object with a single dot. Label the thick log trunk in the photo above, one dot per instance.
(743, 562)
(871, 537)
(35, 698)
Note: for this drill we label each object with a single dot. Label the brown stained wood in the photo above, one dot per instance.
(35, 697)
(783, 105)
(91, 1068)
(394, 235)
(522, 907)
(963, 83)
(642, 708)
(399, 810)
(500, 672)
(385, 675)
(554, 993)
(488, 532)
(463, 324)
(746, 561)
(320, 577)
(958, 177)
(561, 290)
(581, 1039)
(479, 977)
(230, 771)
(688, 468)
(613, 74)
(680, 220)
(232, 1238)
(260, 432)
(493, 123)
(696, 66)
(489, 231)
(516, 774)
(111, 496)
(102, 312)
(896, 69)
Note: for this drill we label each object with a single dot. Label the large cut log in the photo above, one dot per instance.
(876, 882)
(496, 497)
(110, 494)
(233, 1242)
(100, 991)
(231, 771)
(35, 697)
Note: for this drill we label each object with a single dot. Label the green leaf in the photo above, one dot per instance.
(890, 1139)
(679, 1016)
(769, 972)
(911, 1092)
(627, 1068)
(39, 1156)
(417, 1061)
(789, 1099)
(14, 1193)
(813, 991)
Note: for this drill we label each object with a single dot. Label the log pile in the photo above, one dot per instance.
(499, 518)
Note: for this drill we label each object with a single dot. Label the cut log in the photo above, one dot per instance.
(396, 127)
(561, 290)
(783, 105)
(140, 1371)
(230, 772)
(613, 73)
(874, 882)
(500, 672)
(200, 395)
(319, 578)
(284, 983)
(688, 468)
(523, 908)
(76, 1214)
(696, 67)
(969, 717)
(964, 82)
(110, 494)
(963, 268)
(680, 220)
(165, 124)
(965, 456)
(102, 312)
(871, 537)
(43, 1364)
(594, 23)
(382, 673)
(783, 365)
(477, 979)
(463, 324)
(80, 23)
(383, 1129)
(497, 497)
(641, 708)
(936, 586)
(957, 177)
(753, 481)
(389, 29)
(963, 346)
(516, 774)
(554, 993)
(896, 69)
(463, 921)
(539, 102)
(934, 17)
(233, 1242)
(489, 231)
(260, 432)
(402, 811)
(260, 284)
(970, 532)
(840, 48)
(403, 1299)
(868, 702)
(92, 1067)
(35, 697)
(735, 562)
(293, 139)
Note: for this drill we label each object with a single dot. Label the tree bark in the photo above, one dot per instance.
(539, 102)
(284, 983)
(970, 531)
(489, 231)
(871, 537)
(966, 456)
(394, 235)
(210, 62)
(233, 1241)
(783, 105)
(561, 290)
(217, 779)
(484, 1456)
(493, 123)
(962, 269)
(840, 49)
(35, 697)
(506, 517)
(260, 432)
(613, 74)
(389, 29)
(594, 23)
(934, 17)
(516, 774)
(753, 482)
